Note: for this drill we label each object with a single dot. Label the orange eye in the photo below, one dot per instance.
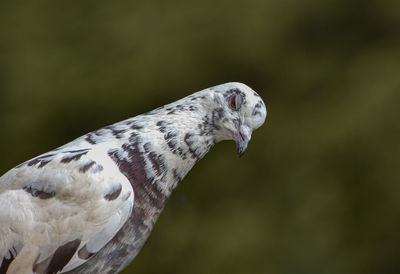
(233, 102)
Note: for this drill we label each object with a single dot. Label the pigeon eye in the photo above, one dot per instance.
(235, 102)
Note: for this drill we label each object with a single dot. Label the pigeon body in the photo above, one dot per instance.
(90, 205)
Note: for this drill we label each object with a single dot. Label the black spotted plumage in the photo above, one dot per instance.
(90, 205)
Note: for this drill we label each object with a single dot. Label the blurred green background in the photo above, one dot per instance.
(318, 189)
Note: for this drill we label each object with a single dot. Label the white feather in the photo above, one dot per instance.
(78, 211)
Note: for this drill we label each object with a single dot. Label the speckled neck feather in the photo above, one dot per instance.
(180, 144)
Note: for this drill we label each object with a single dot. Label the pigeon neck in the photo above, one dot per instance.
(154, 152)
(181, 140)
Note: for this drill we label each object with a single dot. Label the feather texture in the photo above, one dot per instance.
(90, 205)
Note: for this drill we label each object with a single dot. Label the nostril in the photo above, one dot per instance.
(245, 133)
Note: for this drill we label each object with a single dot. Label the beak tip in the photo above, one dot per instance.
(241, 151)
(242, 140)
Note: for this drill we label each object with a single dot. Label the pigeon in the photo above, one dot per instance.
(90, 205)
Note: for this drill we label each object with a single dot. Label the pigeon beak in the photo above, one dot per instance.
(243, 136)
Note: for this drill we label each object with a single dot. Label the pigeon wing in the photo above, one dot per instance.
(69, 203)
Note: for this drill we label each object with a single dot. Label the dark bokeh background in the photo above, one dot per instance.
(318, 190)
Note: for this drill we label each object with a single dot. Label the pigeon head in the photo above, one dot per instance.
(239, 110)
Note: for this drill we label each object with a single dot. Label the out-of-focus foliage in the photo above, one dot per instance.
(318, 190)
